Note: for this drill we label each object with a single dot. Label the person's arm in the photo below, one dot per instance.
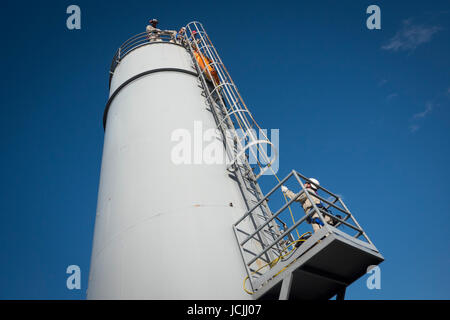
(291, 195)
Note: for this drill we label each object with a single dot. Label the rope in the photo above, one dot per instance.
(272, 263)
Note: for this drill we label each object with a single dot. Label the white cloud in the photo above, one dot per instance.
(420, 115)
(410, 36)
(428, 109)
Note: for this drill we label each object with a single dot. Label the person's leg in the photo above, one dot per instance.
(316, 227)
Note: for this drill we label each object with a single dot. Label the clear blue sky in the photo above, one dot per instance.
(366, 112)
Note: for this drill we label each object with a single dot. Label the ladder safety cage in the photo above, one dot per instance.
(230, 112)
(257, 280)
(228, 99)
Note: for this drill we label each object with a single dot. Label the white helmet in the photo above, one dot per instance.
(315, 181)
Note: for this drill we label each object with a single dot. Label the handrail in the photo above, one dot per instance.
(269, 220)
(137, 41)
(263, 199)
(242, 241)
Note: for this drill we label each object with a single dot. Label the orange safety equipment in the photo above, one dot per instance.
(203, 62)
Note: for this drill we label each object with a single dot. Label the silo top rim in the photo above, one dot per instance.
(137, 41)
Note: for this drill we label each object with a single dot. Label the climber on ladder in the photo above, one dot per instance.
(195, 39)
(311, 185)
(203, 61)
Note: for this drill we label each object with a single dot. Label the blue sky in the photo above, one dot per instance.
(367, 112)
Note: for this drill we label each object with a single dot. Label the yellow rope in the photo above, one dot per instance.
(285, 199)
(272, 263)
(257, 146)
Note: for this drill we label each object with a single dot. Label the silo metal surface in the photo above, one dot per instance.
(162, 230)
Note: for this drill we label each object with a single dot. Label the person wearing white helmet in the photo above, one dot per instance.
(311, 185)
(152, 31)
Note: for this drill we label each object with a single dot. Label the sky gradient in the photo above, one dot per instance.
(365, 111)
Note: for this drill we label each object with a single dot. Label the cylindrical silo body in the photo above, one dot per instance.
(163, 230)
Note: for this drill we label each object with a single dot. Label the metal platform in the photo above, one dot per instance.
(322, 266)
(321, 269)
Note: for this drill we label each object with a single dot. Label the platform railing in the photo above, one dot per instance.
(137, 41)
(329, 200)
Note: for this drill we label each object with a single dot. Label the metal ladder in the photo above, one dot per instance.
(230, 112)
(258, 234)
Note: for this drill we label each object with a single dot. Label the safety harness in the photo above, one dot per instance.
(317, 220)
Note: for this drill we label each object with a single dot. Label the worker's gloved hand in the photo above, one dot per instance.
(284, 189)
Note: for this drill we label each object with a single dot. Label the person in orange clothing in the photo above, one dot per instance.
(204, 62)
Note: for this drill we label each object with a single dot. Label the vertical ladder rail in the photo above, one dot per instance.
(224, 93)
(228, 90)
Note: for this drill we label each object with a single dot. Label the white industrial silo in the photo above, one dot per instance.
(162, 230)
